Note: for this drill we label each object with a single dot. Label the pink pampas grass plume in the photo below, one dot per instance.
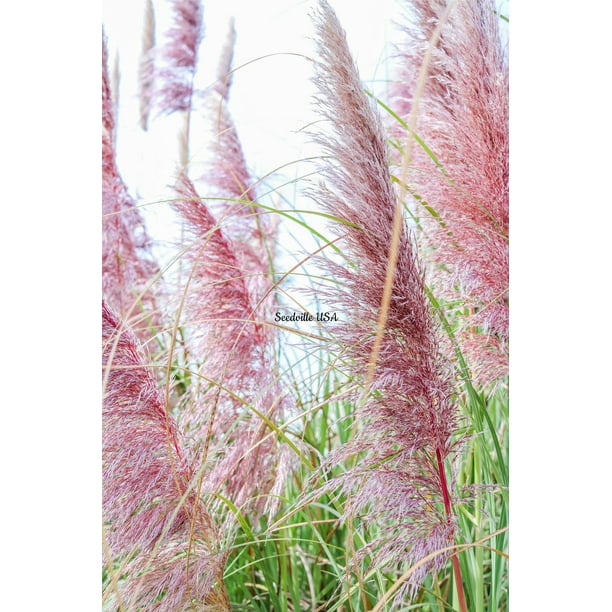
(180, 54)
(217, 299)
(463, 118)
(224, 67)
(146, 70)
(144, 471)
(227, 174)
(251, 232)
(183, 588)
(234, 346)
(244, 240)
(178, 62)
(408, 420)
(154, 522)
(128, 267)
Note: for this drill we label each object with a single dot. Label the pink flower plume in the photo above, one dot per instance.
(463, 118)
(234, 347)
(180, 54)
(144, 471)
(408, 423)
(148, 506)
(218, 300)
(128, 267)
(224, 69)
(146, 70)
(251, 231)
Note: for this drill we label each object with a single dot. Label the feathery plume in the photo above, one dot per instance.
(222, 312)
(252, 233)
(108, 114)
(246, 244)
(180, 54)
(465, 122)
(227, 173)
(127, 263)
(115, 82)
(146, 71)
(144, 471)
(224, 68)
(179, 61)
(408, 421)
(145, 476)
(165, 582)
(218, 299)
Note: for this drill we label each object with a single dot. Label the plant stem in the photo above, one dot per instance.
(447, 509)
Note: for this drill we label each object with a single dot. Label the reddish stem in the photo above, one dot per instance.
(447, 509)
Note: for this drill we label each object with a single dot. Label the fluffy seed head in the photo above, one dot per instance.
(128, 267)
(149, 507)
(409, 417)
(464, 120)
(180, 54)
